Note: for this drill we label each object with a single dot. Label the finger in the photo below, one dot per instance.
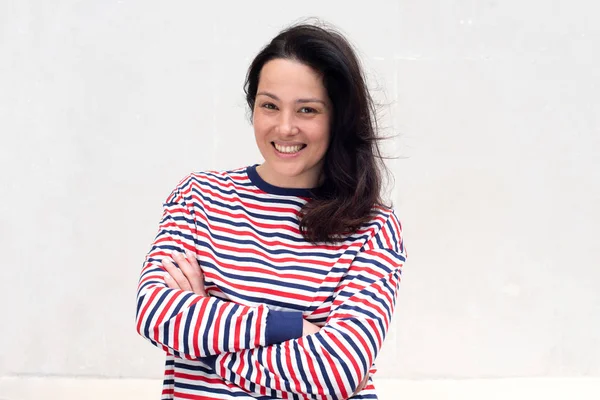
(176, 274)
(365, 382)
(362, 385)
(191, 273)
(171, 284)
(194, 263)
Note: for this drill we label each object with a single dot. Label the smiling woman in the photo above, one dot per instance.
(279, 280)
(291, 120)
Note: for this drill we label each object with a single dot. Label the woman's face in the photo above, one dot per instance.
(291, 124)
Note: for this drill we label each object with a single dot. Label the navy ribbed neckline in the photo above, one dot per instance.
(280, 191)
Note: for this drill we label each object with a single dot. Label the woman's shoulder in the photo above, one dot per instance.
(382, 213)
(224, 178)
(385, 227)
(215, 181)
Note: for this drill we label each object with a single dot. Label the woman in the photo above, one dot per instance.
(279, 280)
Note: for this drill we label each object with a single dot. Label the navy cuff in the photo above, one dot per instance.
(211, 361)
(282, 326)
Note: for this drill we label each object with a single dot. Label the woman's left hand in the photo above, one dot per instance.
(188, 276)
(362, 385)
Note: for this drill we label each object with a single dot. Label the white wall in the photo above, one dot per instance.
(105, 105)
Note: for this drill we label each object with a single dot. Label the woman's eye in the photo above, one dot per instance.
(269, 106)
(307, 110)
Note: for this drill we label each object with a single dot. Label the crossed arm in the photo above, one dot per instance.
(184, 321)
(189, 277)
(266, 352)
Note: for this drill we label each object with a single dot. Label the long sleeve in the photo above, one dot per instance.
(188, 325)
(331, 363)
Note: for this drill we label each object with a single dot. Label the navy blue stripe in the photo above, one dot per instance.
(265, 215)
(374, 261)
(260, 299)
(179, 305)
(279, 356)
(248, 278)
(277, 234)
(209, 322)
(252, 243)
(196, 366)
(139, 306)
(153, 311)
(324, 369)
(249, 371)
(366, 333)
(229, 368)
(247, 329)
(293, 203)
(259, 356)
(350, 341)
(379, 242)
(253, 260)
(393, 233)
(188, 334)
(206, 389)
(248, 196)
(299, 367)
(341, 362)
(227, 330)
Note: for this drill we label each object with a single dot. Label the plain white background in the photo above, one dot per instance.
(494, 111)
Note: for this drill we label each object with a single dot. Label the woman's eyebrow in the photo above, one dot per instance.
(309, 100)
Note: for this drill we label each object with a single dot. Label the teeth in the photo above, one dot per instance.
(288, 149)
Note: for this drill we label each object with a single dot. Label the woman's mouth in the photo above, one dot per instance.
(288, 149)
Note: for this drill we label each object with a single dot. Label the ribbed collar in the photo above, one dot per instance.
(280, 191)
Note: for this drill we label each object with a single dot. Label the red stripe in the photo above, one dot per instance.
(192, 396)
(244, 217)
(363, 343)
(216, 331)
(265, 256)
(258, 381)
(256, 289)
(197, 327)
(258, 326)
(386, 235)
(288, 361)
(142, 313)
(246, 205)
(336, 374)
(343, 348)
(274, 377)
(264, 241)
(237, 332)
(375, 330)
(389, 261)
(159, 321)
(176, 331)
(161, 317)
(311, 366)
(240, 369)
(145, 279)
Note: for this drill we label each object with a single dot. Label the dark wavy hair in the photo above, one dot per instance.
(352, 175)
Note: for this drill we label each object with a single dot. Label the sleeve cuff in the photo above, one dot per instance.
(282, 326)
(211, 361)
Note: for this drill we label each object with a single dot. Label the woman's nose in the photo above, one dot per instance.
(287, 124)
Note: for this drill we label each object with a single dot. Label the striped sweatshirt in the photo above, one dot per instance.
(262, 278)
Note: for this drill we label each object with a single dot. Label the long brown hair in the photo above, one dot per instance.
(352, 167)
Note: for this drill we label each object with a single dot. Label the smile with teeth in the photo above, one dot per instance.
(288, 149)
